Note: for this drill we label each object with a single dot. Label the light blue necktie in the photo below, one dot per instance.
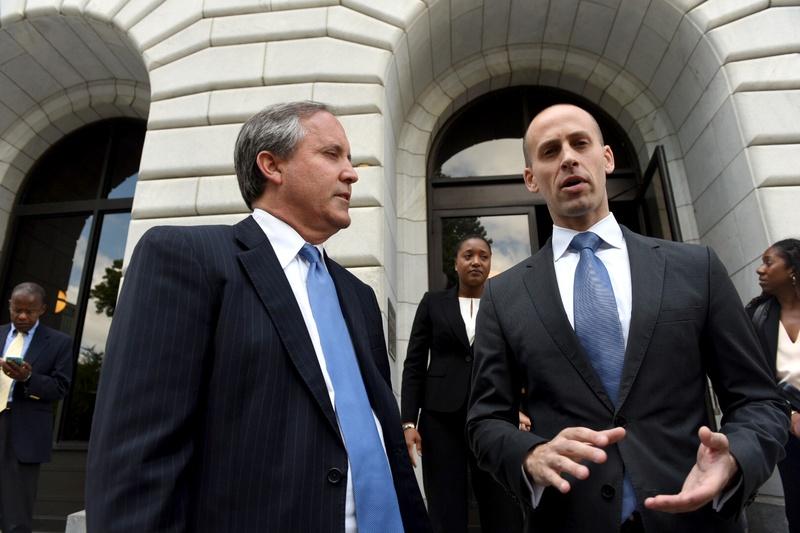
(377, 509)
(598, 329)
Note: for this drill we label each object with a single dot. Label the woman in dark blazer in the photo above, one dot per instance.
(776, 316)
(436, 394)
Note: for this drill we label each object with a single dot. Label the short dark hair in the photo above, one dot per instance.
(789, 251)
(473, 236)
(29, 287)
(276, 129)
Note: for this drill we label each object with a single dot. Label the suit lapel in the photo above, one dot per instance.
(262, 267)
(542, 286)
(647, 282)
(452, 311)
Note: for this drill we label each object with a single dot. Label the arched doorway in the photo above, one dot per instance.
(68, 234)
(475, 181)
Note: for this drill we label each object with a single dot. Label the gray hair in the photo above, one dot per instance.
(276, 129)
(28, 287)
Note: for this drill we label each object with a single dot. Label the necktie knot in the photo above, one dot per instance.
(310, 253)
(584, 240)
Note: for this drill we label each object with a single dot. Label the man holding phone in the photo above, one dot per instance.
(36, 372)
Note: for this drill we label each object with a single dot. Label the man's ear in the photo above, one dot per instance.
(530, 180)
(608, 155)
(270, 166)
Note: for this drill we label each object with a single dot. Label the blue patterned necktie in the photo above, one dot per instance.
(377, 509)
(599, 330)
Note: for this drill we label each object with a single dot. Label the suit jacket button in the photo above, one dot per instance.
(334, 476)
(468, 359)
(607, 492)
(620, 421)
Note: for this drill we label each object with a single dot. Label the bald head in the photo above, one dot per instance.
(545, 113)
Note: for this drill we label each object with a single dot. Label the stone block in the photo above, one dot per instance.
(368, 191)
(165, 198)
(365, 133)
(350, 98)
(40, 57)
(219, 67)
(103, 10)
(663, 19)
(224, 8)
(592, 27)
(724, 193)
(495, 24)
(237, 105)
(399, 14)
(219, 195)
(775, 165)
(11, 11)
(750, 220)
(166, 19)
(725, 240)
(714, 13)
(766, 33)
(778, 206)
(473, 72)
(319, 59)
(187, 152)
(99, 48)
(467, 31)
(645, 56)
(412, 236)
(624, 31)
(675, 58)
(526, 23)
(350, 25)
(701, 115)
(133, 11)
(560, 20)
(766, 73)
(360, 245)
(769, 117)
(440, 37)
(402, 65)
(180, 112)
(9, 48)
(420, 53)
(271, 26)
(411, 198)
(181, 44)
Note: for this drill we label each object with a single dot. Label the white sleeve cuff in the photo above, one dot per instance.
(536, 490)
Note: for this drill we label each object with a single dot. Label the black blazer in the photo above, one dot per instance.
(212, 413)
(31, 415)
(767, 331)
(442, 385)
(687, 322)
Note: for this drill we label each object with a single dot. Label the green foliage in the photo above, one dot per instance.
(105, 292)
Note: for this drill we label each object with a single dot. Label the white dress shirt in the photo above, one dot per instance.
(286, 243)
(469, 313)
(12, 332)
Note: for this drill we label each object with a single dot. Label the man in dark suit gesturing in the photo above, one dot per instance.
(611, 335)
(36, 372)
(246, 382)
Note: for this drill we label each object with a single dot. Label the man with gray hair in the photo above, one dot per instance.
(246, 383)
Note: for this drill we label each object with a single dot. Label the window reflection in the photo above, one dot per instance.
(498, 157)
(106, 276)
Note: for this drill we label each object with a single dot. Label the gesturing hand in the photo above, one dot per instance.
(413, 440)
(563, 454)
(713, 471)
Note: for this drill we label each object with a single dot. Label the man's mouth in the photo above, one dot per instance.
(344, 196)
(573, 183)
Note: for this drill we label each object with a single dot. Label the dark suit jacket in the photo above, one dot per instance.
(212, 413)
(443, 385)
(687, 322)
(767, 331)
(31, 415)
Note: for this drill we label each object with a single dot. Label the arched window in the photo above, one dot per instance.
(68, 234)
(475, 182)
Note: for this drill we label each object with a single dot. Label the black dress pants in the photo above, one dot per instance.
(17, 484)
(446, 464)
(790, 478)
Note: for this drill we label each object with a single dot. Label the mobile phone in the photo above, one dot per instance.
(16, 360)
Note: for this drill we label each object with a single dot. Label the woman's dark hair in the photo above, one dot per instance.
(480, 238)
(789, 251)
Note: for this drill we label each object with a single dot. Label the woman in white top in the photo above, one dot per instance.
(776, 316)
(434, 400)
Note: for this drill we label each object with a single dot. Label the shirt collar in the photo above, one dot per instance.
(285, 240)
(30, 331)
(607, 229)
